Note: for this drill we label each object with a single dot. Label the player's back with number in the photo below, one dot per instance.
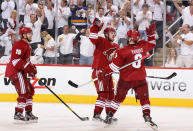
(130, 53)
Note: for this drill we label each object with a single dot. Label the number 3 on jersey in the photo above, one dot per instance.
(138, 63)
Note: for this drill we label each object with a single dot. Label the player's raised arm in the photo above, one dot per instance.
(151, 37)
(96, 27)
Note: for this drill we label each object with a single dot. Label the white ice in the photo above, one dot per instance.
(56, 117)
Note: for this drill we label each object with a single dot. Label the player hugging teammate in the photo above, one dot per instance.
(133, 76)
(103, 54)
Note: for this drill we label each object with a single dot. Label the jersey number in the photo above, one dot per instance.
(138, 63)
(18, 52)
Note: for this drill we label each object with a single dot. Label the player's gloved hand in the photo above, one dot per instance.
(151, 30)
(101, 75)
(97, 22)
(30, 69)
(33, 72)
(97, 26)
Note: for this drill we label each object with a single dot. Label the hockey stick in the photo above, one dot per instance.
(165, 78)
(76, 85)
(81, 118)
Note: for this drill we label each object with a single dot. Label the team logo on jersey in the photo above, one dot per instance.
(110, 53)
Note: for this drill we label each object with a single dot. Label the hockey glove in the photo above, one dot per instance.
(101, 75)
(97, 26)
(104, 73)
(151, 30)
(30, 69)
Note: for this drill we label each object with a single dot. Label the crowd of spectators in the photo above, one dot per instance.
(73, 18)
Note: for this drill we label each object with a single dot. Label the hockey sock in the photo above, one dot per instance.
(107, 106)
(29, 103)
(114, 106)
(99, 105)
(21, 103)
(146, 109)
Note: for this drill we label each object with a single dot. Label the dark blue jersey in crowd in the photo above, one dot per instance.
(78, 19)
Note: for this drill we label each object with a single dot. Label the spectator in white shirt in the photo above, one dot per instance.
(137, 6)
(7, 6)
(187, 13)
(127, 7)
(35, 25)
(11, 24)
(158, 9)
(50, 52)
(122, 24)
(7, 41)
(21, 9)
(184, 42)
(122, 3)
(65, 44)
(143, 19)
(90, 13)
(30, 8)
(63, 14)
(39, 13)
(50, 14)
(86, 49)
(171, 58)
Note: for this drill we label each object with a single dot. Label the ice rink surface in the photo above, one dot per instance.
(56, 117)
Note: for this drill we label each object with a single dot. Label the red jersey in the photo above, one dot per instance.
(128, 54)
(20, 55)
(104, 49)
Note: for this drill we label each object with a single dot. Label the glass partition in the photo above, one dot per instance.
(61, 28)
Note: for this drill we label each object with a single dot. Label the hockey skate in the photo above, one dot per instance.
(150, 123)
(109, 118)
(97, 117)
(30, 117)
(19, 118)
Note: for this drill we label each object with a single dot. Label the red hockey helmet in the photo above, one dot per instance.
(25, 30)
(134, 34)
(109, 29)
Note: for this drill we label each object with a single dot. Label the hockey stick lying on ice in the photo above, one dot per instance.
(81, 118)
(76, 85)
(166, 78)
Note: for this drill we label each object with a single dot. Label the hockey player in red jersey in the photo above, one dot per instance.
(133, 76)
(104, 50)
(17, 70)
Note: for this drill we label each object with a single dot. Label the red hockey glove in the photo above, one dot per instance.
(151, 30)
(97, 26)
(97, 22)
(101, 75)
(30, 69)
(104, 73)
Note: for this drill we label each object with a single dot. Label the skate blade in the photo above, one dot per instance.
(20, 122)
(33, 121)
(114, 123)
(155, 128)
(97, 120)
